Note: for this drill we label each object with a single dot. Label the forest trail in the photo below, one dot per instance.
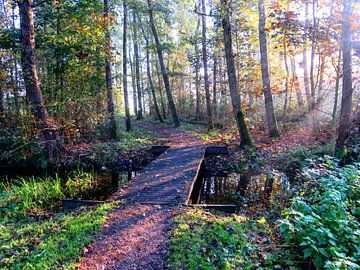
(134, 236)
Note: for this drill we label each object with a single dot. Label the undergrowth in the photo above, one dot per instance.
(53, 243)
(323, 220)
(214, 240)
(293, 161)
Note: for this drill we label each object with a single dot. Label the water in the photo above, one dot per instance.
(235, 188)
(107, 184)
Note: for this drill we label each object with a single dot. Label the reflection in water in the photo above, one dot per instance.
(107, 184)
(237, 188)
(119, 179)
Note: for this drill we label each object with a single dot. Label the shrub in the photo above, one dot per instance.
(294, 160)
(323, 220)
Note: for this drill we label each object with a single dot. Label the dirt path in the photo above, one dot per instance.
(135, 233)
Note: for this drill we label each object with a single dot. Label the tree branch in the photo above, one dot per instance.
(203, 14)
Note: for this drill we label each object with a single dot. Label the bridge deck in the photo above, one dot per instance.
(166, 180)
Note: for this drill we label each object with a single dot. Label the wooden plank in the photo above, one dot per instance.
(217, 150)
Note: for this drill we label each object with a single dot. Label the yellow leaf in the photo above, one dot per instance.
(261, 220)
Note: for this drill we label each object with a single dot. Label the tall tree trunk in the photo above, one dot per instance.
(126, 96)
(137, 69)
(295, 83)
(312, 65)
(347, 90)
(163, 109)
(15, 86)
(108, 74)
(206, 76)
(321, 80)
(197, 78)
(1, 95)
(30, 75)
(336, 100)
(245, 139)
(286, 79)
(15, 78)
(148, 71)
(214, 103)
(133, 83)
(306, 79)
(142, 90)
(162, 65)
(269, 106)
(304, 53)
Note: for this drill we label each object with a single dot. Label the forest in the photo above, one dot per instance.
(179, 134)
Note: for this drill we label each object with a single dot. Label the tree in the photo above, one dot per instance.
(126, 96)
(206, 76)
(148, 71)
(197, 76)
(269, 106)
(30, 75)
(162, 66)
(295, 84)
(137, 68)
(347, 91)
(156, 67)
(133, 82)
(304, 54)
(245, 139)
(109, 81)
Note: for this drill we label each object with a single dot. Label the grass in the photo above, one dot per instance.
(57, 242)
(37, 195)
(30, 195)
(32, 235)
(205, 240)
(79, 183)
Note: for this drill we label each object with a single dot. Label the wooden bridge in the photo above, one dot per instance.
(166, 180)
